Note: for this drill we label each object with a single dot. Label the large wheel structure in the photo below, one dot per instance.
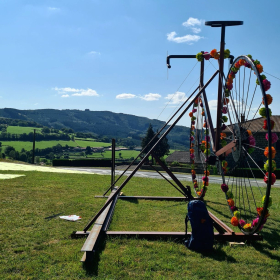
(246, 119)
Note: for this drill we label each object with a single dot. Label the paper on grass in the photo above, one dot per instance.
(71, 218)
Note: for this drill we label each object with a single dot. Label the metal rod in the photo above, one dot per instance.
(220, 89)
(148, 154)
(33, 154)
(113, 164)
(154, 138)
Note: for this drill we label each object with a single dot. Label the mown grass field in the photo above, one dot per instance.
(21, 129)
(33, 247)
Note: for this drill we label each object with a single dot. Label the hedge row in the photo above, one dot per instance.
(83, 162)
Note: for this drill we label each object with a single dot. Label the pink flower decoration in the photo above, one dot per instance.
(273, 178)
(233, 208)
(274, 137)
(194, 110)
(242, 223)
(266, 84)
(192, 138)
(247, 65)
(193, 122)
(229, 86)
(192, 156)
(204, 178)
(207, 138)
(201, 104)
(224, 187)
(193, 176)
(223, 127)
(207, 56)
(252, 141)
(224, 111)
(255, 222)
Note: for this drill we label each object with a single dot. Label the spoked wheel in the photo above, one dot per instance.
(199, 149)
(248, 170)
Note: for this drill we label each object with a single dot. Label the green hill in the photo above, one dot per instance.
(100, 123)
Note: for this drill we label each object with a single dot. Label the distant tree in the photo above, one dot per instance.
(8, 149)
(120, 155)
(45, 130)
(22, 157)
(88, 150)
(12, 154)
(161, 149)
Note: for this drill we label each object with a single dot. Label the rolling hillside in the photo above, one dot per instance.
(101, 123)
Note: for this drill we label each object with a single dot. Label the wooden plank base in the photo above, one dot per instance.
(238, 236)
(168, 198)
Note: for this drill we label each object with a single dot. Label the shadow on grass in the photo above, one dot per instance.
(91, 265)
(132, 200)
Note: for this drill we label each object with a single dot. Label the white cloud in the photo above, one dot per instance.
(212, 104)
(54, 9)
(191, 22)
(86, 92)
(125, 96)
(75, 92)
(94, 53)
(176, 98)
(184, 39)
(151, 97)
(196, 30)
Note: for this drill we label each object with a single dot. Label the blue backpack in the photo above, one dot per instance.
(202, 237)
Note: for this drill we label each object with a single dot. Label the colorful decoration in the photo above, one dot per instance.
(273, 136)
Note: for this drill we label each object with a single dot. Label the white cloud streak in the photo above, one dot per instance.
(151, 97)
(176, 98)
(191, 22)
(94, 53)
(75, 92)
(189, 39)
(125, 96)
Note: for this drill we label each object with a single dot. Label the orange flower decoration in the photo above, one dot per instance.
(268, 99)
(230, 80)
(237, 65)
(273, 152)
(208, 172)
(234, 221)
(191, 151)
(260, 68)
(226, 101)
(193, 127)
(204, 125)
(196, 101)
(260, 210)
(231, 76)
(193, 172)
(225, 163)
(223, 135)
(249, 132)
(198, 193)
(230, 202)
(206, 184)
(192, 145)
(213, 52)
(242, 62)
(202, 113)
(191, 114)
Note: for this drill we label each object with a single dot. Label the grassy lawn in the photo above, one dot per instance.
(83, 143)
(33, 247)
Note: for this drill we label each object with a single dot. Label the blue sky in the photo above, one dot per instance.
(111, 55)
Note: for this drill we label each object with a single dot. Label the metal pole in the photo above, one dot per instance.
(33, 155)
(113, 164)
(220, 89)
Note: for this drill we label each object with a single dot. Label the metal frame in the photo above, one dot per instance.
(101, 220)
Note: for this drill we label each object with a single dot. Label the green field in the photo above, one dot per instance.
(18, 145)
(36, 247)
(21, 129)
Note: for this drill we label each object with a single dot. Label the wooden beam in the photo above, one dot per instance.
(168, 198)
(181, 235)
(96, 231)
(220, 223)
